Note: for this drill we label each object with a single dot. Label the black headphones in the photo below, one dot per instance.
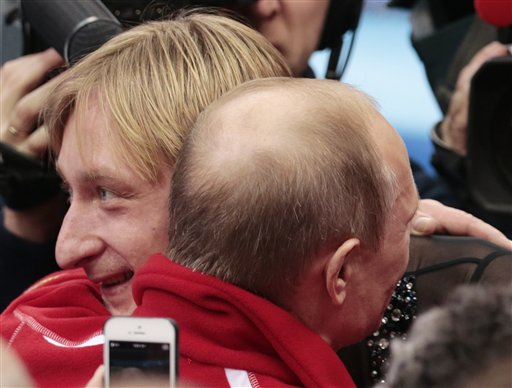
(342, 16)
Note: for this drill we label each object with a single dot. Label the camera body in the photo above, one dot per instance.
(489, 136)
(73, 28)
(76, 28)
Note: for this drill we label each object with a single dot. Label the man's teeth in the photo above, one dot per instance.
(118, 279)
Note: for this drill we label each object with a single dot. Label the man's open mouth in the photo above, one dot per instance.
(117, 279)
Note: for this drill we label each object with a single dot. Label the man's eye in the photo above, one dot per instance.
(69, 193)
(105, 194)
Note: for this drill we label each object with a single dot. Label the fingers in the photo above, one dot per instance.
(23, 115)
(423, 225)
(454, 125)
(36, 144)
(491, 50)
(22, 99)
(25, 73)
(478, 228)
(96, 380)
(434, 217)
(22, 75)
(18, 133)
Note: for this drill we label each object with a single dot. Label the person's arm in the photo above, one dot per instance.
(27, 233)
(22, 263)
(433, 217)
(449, 139)
(21, 99)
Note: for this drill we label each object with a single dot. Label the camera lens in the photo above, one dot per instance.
(501, 133)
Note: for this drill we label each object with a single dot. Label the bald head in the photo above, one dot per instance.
(273, 173)
(277, 115)
(285, 120)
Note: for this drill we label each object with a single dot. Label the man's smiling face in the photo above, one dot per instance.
(116, 219)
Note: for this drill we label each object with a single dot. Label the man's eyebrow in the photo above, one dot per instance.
(91, 175)
(95, 175)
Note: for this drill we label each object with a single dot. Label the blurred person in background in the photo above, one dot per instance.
(465, 342)
(454, 40)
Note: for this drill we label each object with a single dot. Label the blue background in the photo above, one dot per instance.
(384, 64)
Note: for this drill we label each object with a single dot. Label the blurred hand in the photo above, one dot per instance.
(455, 123)
(14, 372)
(96, 380)
(21, 99)
(434, 217)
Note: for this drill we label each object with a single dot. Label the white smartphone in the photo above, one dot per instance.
(140, 352)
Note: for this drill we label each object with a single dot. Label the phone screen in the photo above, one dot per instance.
(134, 362)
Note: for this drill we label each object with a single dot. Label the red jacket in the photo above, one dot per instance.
(228, 336)
(56, 328)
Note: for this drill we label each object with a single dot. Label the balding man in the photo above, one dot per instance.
(288, 234)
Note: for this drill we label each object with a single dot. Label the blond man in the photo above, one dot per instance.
(117, 121)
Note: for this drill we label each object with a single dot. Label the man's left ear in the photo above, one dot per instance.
(337, 272)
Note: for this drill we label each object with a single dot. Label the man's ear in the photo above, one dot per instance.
(337, 272)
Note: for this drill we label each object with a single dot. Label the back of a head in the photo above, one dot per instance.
(153, 80)
(273, 173)
(467, 342)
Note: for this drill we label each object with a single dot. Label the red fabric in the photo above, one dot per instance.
(65, 308)
(222, 326)
(495, 12)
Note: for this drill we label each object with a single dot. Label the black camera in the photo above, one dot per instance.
(76, 28)
(489, 137)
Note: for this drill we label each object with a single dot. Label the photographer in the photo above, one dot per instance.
(457, 42)
(27, 235)
(450, 140)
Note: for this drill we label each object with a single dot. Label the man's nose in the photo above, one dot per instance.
(78, 240)
(265, 8)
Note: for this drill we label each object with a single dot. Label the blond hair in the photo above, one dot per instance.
(152, 81)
